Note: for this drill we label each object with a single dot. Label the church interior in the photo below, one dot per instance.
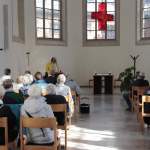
(92, 57)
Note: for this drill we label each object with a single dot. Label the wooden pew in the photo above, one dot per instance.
(137, 92)
(3, 124)
(61, 108)
(145, 110)
(26, 122)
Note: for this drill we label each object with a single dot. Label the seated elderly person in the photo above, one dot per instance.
(40, 82)
(52, 98)
(13, 131)
(64, 90)
(10, 96)
(35, 106)
(73, 86)
(140, 81)
(28, 73)
(27, 81)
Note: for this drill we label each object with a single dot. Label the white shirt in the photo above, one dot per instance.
(3, 78)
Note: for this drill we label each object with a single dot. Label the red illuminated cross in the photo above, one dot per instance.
(102, 16)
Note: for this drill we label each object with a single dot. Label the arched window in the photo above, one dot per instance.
(50, 22)
(100, 22)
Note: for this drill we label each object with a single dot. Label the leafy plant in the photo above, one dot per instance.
(126, 77)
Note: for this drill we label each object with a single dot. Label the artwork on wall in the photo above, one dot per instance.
(18, 29)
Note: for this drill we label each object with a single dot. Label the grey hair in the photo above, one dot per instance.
(51, 89)
(34, 90)
(27, 79)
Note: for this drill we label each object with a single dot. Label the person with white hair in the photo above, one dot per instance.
(26, 85)
(28, 73)
(52, 98)
(35, 106)
(13, 131)
(64, 90)
(73, 85)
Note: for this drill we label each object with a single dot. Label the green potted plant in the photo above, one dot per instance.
(126, 77)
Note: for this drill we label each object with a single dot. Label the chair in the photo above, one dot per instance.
(137, 93)
(134, 96)
(16, 108)
(145, 109)
(91, 82)
(26, 122)
(76, 100)
(117, 83)
(70, 108)
(74, 96)
(61, 108)
(3, 124)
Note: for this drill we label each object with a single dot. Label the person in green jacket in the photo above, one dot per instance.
(11, 97)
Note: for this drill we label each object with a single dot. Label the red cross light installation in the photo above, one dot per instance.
(102, 16)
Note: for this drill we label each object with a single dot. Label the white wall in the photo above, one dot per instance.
(8, 57)
(81, 61)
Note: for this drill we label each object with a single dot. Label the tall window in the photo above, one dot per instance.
(50, 19)
(143, 22)
(145, 19)
(101, 21)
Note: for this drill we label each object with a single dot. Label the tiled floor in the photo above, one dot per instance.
(107, 127)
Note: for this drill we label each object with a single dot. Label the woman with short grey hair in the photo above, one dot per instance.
(51, 89)
(64, 90)
(35, 106)
(52, 98)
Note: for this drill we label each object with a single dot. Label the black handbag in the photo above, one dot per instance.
(85, 106)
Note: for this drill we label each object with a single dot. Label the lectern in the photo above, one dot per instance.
(103, 81)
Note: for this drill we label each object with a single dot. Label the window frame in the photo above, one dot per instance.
(62, 41)
(139, 13)
(101, 42)
(21, 22)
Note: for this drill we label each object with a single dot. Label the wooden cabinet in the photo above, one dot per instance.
(103, 83)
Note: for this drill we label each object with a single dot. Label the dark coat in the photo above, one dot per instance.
(5, 111)
(57, 99)
(51, 79)
(140, 82)
(11, 97)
